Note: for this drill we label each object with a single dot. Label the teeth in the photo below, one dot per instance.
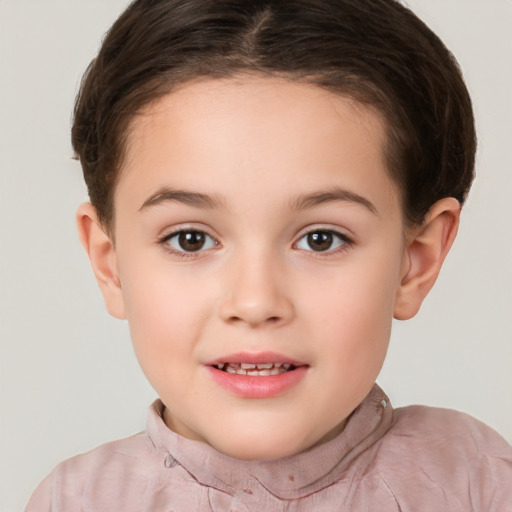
(265, 366)
(255, 370)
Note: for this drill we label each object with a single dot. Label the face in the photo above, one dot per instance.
(259, 248)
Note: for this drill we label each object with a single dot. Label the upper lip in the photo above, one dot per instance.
(255, 358)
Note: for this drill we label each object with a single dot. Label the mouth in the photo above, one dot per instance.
(256, 369)
(257, 375)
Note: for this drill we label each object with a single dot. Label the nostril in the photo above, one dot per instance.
(256, 310)
(269, 320)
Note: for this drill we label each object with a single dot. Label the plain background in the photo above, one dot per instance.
(69, 379)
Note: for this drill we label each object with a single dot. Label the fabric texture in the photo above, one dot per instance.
(412, 459)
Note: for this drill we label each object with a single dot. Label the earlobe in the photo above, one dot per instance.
(102, 256)
(427, 247)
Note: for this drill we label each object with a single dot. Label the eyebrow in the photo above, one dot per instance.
(331, 196)
(195, 199)
(205, 201)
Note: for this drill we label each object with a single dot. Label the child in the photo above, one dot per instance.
(271, 182)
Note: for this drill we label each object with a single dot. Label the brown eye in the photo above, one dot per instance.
(190, 241)
(322, 240)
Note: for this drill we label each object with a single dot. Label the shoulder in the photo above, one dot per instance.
(117, 470)
(109, 458)
(447, 453)
(404, 417)
(447, 430)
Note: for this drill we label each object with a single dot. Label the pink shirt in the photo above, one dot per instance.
(414, 459)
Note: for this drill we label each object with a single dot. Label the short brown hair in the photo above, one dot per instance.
(374, 51)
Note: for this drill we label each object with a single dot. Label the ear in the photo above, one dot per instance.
(427, 247)
(101, 252)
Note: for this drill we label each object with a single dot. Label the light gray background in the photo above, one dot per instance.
(69, 379)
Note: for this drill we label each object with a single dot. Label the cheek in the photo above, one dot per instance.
(167, 308)
(163, 334)
(354, 311)
(157, 307)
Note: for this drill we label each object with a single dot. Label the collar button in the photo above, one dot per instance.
(170, 461)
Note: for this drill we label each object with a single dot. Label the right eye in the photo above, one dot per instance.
(190, 240)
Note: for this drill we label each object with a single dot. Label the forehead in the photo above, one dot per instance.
(240, 131)
(255, 104)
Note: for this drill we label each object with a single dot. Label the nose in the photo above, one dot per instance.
(257, 295)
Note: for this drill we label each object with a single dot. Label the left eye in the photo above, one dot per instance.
(322, 241)
(190, 241)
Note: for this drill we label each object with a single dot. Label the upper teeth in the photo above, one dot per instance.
(255, 369)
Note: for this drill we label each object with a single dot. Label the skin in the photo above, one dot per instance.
(277, 160)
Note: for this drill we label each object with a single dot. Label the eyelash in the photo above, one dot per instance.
(344, 242)
(183, 254)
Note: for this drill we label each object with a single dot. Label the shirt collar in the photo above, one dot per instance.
(289, 477)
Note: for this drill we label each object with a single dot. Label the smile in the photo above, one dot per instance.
(257, 375)
(256, 370)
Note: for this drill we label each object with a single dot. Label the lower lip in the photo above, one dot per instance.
(248, 386)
